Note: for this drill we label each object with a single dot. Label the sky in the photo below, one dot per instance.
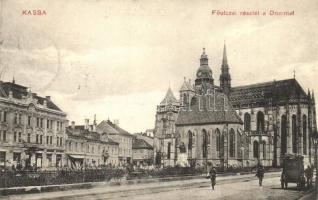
(116, 59)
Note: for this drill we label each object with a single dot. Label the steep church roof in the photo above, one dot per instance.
(278, 92)
(208, 109)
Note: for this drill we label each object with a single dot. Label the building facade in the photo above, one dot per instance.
(142, 152)
(32, 128)
(241, 126)
(119, 135)
(86, 148)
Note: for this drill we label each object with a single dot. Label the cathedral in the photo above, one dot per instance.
(233, 126)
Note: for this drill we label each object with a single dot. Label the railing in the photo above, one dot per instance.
(32, 178)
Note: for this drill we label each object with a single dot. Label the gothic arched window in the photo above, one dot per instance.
(260, 121)
(283, 135)
(169, 150)
(305, 134)
(247, 122)
(190, 143)
(232, 143)
(294, 133)
(218, 139)
(205, 143)
(264, 150)
(255, 149)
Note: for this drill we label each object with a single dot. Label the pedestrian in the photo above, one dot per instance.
(213, 177)
(260, 174)
(308, 175)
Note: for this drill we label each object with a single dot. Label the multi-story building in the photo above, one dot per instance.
(85, 147)
(226, 125)
(32, 128)
(119, 135)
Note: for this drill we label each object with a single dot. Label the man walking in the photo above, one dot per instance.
(213, 177)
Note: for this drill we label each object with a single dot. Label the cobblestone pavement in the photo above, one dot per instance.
(239, 187)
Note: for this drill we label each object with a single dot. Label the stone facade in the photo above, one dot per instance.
(120, 136)
(275, 118)
(32, 128)
(86, 148)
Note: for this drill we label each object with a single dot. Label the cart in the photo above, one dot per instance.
(293, 171)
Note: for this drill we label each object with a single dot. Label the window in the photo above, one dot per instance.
(232, 143)
(29, 120)
(70, 146)
(247, 122)
(15, 136)
(15, 118)
(47, 139)
(305, 134)
(17, 157)
(48, 124)
(37, 122)
(264, 150)
(294, 133)
(260, 122)
(169, 150)
(218, 139)
(4, 116)
(29, 138)
(255, 149)
(20, 118)
(41, 137)
(205, 143)
(57, 141)
(4, 136)
(283, 134)
(37, 138)
(61, 142)
(41, 122)
(51, 140)
(20, 137)
(190, 140)
(2, 157)
(57, 125)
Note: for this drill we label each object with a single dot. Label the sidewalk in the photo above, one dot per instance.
(117, 186)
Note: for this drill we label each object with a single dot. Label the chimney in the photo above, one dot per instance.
(48, 98)
(116, 122)
(73, 125)
(86, 124)
(94, 123)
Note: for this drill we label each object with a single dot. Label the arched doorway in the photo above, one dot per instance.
(283, 150)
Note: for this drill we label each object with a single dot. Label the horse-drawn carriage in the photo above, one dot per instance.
(293, 171)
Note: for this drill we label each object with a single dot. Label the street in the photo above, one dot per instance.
(239, 187)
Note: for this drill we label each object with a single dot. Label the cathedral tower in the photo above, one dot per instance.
(225, 77)
(204, 79)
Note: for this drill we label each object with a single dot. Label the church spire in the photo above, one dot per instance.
(224, 61)
(225, 77)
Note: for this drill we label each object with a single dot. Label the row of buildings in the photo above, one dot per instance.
(234, 126)
(35, 132)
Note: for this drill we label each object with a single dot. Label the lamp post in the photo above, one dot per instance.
(315, 142)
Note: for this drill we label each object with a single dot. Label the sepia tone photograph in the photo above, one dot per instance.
(138, 100)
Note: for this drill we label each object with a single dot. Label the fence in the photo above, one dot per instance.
(29, 178)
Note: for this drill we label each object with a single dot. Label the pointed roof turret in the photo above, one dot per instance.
(169, 98)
